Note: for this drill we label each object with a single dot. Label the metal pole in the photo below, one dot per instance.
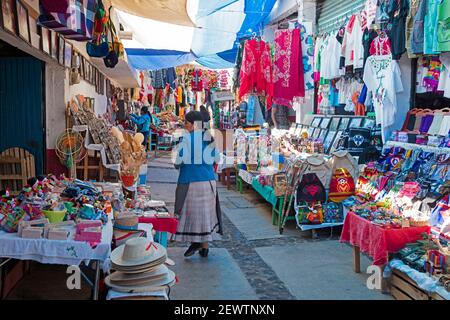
(96, 280)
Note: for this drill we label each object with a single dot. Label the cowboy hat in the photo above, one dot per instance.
(147, 286)
(138, 252)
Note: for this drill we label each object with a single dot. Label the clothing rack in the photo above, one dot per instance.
(411, 146)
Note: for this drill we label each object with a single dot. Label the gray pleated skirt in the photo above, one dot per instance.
(198, 219)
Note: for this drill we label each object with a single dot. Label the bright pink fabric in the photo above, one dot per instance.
(380, 46)
(376, 241)
(256, 69)
(288, 72)
(162, 224)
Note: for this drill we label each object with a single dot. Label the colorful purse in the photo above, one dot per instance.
(310, 214)
(342, 186)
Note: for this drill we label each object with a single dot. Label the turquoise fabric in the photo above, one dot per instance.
(266, 192)
(443, 29)
(431, 23)
(196, 164)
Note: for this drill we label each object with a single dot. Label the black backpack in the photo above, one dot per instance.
(311, 189)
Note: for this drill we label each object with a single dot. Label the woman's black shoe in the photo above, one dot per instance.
(192, 249)
(204, 252)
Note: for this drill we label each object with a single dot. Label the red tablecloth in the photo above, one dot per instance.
(162, 224)
(376, 241)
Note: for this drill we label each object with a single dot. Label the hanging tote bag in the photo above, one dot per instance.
(112, 59)
(99, 47)
(342, 186)
(76, 23)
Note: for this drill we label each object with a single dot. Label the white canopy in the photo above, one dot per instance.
(170, 11)
(152, 34)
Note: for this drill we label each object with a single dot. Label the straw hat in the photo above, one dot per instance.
(126, 222)
(138, 252)
(142, 268)
(126, 279)
(146, 286)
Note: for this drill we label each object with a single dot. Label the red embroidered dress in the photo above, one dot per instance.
(288, 72)
(256, 70)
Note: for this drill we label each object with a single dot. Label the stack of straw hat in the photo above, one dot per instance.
(140, 266)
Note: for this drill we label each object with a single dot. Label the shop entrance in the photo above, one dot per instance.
(22, 103)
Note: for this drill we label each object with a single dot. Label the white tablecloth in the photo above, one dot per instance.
(246, 176)
(68, 252)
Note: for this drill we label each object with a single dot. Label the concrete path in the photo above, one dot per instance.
(253, 261)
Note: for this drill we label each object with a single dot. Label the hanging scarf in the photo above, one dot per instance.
(288, 71)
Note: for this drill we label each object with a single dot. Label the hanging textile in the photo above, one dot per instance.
(197, 82)
(382, 77)
(306, 35)
(256, 69)
(288, 74)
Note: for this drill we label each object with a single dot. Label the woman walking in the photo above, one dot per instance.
(196, 199)
(144, 121)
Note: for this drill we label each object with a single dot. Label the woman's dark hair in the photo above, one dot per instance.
(193, 116)
(144, 110)
(205, 114)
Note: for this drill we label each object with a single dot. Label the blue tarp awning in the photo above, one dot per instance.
(220, 24)
(148, 59)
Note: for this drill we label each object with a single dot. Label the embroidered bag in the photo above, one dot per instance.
(310, 214)
(311, 189)
(342, 186)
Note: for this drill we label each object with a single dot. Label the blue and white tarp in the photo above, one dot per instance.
(213, 42)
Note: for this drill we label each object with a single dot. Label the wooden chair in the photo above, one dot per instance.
(16, 166)
(91, 163)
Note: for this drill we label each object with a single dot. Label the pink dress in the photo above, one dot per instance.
(288, 72)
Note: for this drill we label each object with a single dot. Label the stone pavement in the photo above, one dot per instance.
(253, 261)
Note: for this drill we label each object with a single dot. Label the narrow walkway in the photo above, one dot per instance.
(253, 261)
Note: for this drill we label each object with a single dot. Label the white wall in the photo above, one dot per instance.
(88, 90)
(55, 108)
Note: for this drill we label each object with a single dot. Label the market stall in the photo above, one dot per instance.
(400, 198)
